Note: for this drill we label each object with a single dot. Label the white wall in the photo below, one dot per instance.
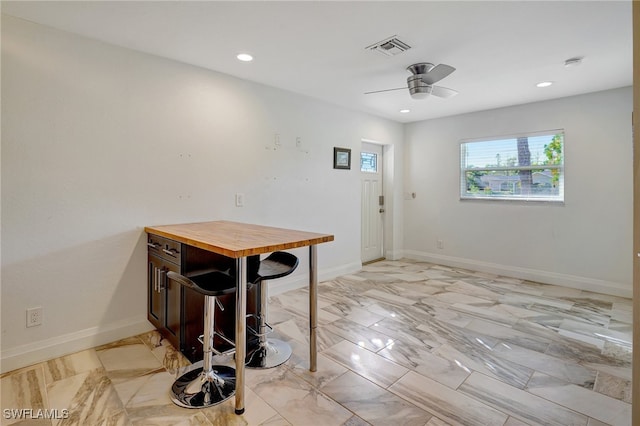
(99, 141)
(585, 243)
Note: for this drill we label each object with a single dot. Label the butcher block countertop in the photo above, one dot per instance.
(236, 240)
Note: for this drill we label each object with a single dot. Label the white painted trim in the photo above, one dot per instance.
(299, 281)
(394, 254)
(57, 346)
(545, 277)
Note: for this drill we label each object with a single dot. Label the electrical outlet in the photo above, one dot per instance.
(440, 244)
(34, 316)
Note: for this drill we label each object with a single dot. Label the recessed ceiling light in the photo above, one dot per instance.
(544, 84)
(405, 111)
(244, 57)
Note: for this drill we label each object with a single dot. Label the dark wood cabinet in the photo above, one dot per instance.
(178, 312)
(165, 296)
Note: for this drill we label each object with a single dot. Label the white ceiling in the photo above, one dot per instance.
(501, 49)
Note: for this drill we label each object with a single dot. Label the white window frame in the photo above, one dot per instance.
(488, 195)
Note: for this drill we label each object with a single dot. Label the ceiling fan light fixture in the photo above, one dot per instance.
(419, 94)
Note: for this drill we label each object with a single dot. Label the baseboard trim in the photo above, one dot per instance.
(54, 347)
(394, 254)
(57, 346)
(545, 277)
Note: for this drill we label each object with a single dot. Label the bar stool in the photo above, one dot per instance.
(270, 352)
(210, 384)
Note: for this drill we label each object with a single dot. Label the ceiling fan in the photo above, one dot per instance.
(424, 75)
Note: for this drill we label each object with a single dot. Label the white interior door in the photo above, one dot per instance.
(372, 202)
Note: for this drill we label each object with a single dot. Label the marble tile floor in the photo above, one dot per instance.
(400, 343)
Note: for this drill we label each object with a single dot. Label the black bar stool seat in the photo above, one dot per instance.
(210, 384)
(270, 352)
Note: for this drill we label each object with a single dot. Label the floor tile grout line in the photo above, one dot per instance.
(523, 390)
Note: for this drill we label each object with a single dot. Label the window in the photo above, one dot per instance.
(369, 162)
(526, 167)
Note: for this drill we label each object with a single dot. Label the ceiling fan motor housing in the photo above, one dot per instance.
(418, 88)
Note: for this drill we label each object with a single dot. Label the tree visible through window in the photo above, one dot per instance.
(525, 167)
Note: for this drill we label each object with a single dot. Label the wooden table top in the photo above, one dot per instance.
(234, 239)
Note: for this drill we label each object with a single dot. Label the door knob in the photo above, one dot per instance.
(381, 210)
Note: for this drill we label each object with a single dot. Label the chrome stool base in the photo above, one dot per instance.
(270, 354)
(199, 389)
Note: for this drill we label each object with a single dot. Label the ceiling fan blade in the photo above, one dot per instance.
(437, 73)
(443, 92)
(385, 90)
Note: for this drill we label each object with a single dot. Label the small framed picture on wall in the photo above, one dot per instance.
(341, 158)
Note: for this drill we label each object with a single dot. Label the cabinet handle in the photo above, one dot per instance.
(155, 279)
(161, 285)
(153, 245)
(171, 252)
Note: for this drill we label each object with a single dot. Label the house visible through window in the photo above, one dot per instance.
(525, 167)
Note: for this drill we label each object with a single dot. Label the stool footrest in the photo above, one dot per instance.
(223, 337)
(227, 352)
(268, 330)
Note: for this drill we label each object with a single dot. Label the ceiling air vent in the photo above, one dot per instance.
(389, 47)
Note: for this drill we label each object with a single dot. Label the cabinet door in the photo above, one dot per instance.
(173, 306)
(164, 299)
(193, 324)
(156, 296)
